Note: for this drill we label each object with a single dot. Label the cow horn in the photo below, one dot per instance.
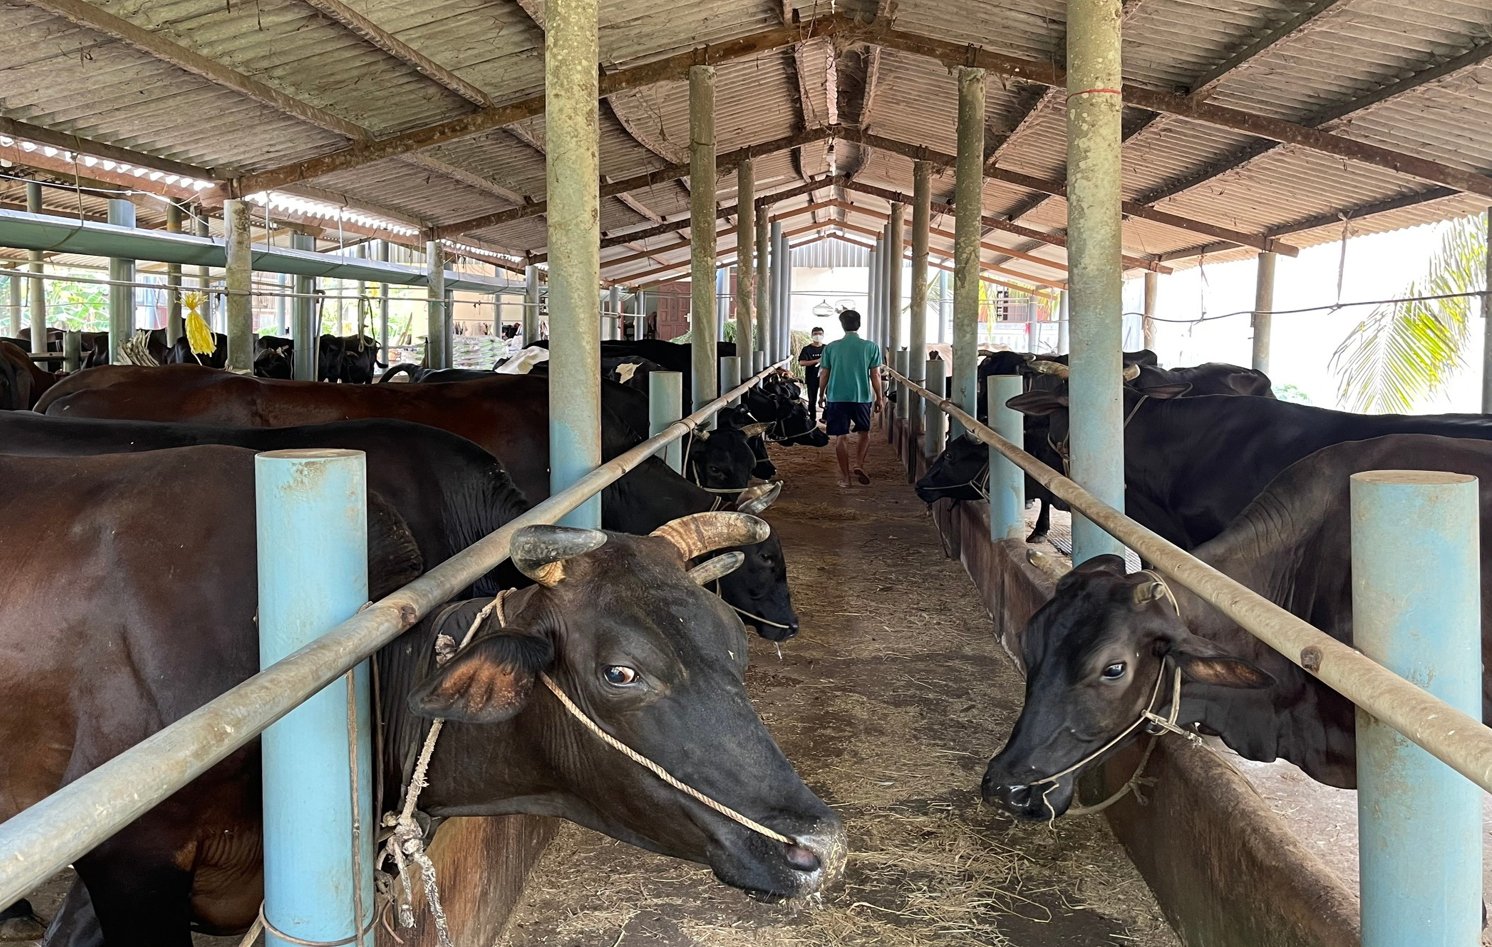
(699, 533)
(717, 568)
(701, 434)
(540, 552)
(1044, 366)
(1050, 566)
(1131, 372)
(755, 500)
(757, 429)
(1147, 592)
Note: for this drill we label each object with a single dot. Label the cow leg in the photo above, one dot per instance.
(1043, 522)
(76, 924)
(141, 899)
(19, 923)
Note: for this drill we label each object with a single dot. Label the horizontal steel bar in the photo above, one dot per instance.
(48, 836)
(47, 233)
(1457, 739)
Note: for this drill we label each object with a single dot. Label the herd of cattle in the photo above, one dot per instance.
(120, 618)
(133, 603)
(1254, 486)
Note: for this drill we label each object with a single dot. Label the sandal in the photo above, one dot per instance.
(860, 475)
(844, 484)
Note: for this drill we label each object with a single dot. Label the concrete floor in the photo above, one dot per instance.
(890, 704)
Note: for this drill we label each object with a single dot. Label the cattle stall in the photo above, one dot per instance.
(559, 571)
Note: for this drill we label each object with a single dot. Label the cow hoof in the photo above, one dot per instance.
(1037, 537)
(19, 924)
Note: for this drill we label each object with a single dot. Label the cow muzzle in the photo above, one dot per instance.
(1037, 803)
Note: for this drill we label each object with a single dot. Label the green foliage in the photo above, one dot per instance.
(1402, 352)
(78, 306)
(1291, 393)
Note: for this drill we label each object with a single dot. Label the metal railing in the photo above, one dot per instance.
(1457, 739)
(49, 835)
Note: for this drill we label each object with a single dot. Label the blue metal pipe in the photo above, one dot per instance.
(1416, 606)
(936, 431)
(1007, 482)
(665, 403)
(303, 316)
(313, 574)
(777, 315)
(121, 298)
(730, 375)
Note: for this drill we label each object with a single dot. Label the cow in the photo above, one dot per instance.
(614, 620)
(961, 472)
(274, 357)
(1191, 464)
(507, 415)
(21, 380)
(1108, 644)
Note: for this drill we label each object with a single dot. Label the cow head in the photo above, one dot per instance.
(956, 472)
(360, 359)
(758, 589)
(274, 363)
(723, 460)
(620, 626)
(1097, 656)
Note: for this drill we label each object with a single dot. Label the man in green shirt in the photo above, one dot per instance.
(848, 376)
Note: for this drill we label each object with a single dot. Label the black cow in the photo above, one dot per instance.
(722, 460)
(1095, 652)
(614, 620)
(1192, 464)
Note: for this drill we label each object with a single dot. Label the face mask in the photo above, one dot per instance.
(818, 337)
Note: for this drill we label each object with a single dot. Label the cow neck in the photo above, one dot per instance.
(479, 508)
(650, 496)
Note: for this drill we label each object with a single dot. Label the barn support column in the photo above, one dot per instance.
(722, 301)
(730, 375)
(898, 234)
(1152, 287)
(72, 350)
(36, 296)
(13, 301)
(1263, 309)
(883, 292)
(239, 280)
(746, 265)
(1062, 323)
(702, 309)
(1418, 613)
(785, 310)
(383, 303)
(303, 338)
(945, 305)
(921, 222)
(617, 322)
(966, 233)
(868, 317)
(1007, 482)
(311, 508)
(1487, 325)
(204, 273)
(665, 398)
(764, 307)
(438, 319)
(121, 297)
(530, 304)
(174, 327)
(282, 306)
(572, 172)
(936, 430)
(779, 266)
(1095, 389)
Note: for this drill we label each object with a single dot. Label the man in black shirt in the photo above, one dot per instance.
(809, 358)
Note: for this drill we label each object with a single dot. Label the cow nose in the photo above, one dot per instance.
(801, 858)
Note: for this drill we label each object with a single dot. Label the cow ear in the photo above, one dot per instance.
(488, 681)
(1038, 403)
(1205, 662)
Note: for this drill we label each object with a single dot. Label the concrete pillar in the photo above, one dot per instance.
(1152, 287)
(702, 234)
(1263, 309)
(945, 305)
(868, 317)
(745, 265)
(1007, 482)
(893, 278)
(785, 310)
(917, 347)
(203, 228)
(530, 304)
(1095, 270)
(438, 318)
(174, 327)
(1487, 323)
(966, 234)
(121, 297)
(13, 302)
(883, 291)
(614, 303)
(1062, 322)
(730, 375)
(1416, 605)
(665, 398)
(722, 300)
(36, 295)
(383, 302)
(779, 264)
(239, 279)
(936, 430)
(572, 172)
(764, 307)
(303, 335)
(282, 305)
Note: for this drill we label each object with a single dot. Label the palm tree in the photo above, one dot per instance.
(1402, 352)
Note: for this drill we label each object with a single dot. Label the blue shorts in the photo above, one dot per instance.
(840, 415)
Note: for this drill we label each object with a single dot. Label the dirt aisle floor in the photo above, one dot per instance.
(889, 703)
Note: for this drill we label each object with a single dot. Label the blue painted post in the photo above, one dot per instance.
(665, 403)
(121, 298)
(313, 574)
(730, 374)
(1007, 482)
(903, 397)
(1416, 605)
(937, 422)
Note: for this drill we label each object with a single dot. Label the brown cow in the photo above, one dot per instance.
(21, 380)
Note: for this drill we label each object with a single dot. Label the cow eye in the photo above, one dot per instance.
(1113, 672)
(619, 675)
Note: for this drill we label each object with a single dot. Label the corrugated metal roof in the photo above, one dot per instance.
(75, 79)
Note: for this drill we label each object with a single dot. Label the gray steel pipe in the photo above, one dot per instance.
(50, 835)
(1455, 738)
(702, 256)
